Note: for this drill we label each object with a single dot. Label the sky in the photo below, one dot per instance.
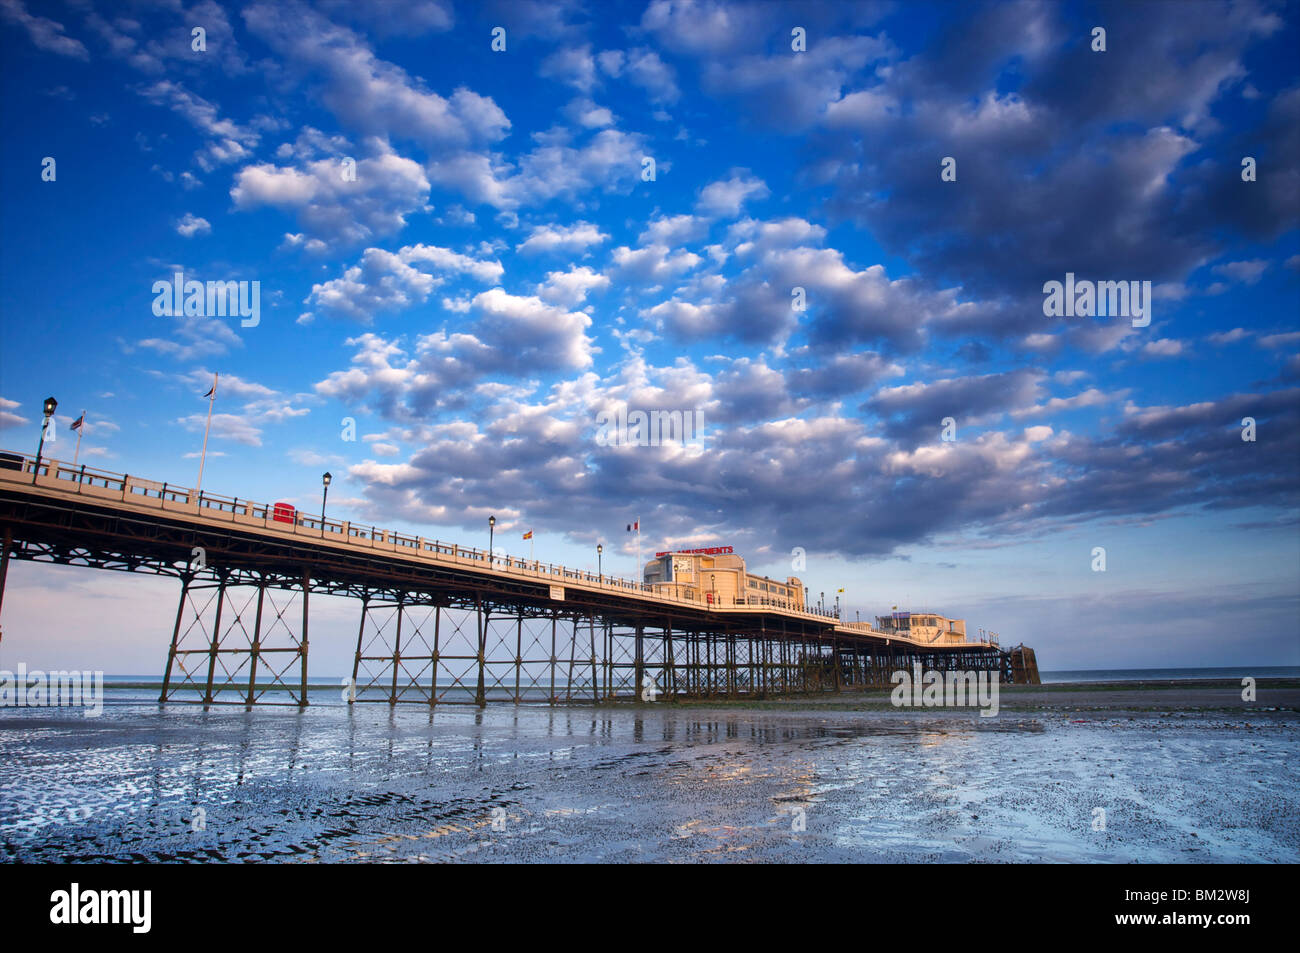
(480, 230)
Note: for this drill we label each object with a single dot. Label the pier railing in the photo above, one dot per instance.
(137, 491)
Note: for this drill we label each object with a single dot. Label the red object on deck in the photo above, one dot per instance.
(284, 513)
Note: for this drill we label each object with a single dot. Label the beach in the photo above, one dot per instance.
(1093, 773)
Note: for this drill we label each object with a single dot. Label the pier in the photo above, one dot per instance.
(438, 623)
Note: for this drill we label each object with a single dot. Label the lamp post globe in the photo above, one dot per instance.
(492, 528)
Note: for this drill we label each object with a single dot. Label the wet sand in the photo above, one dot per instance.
(787, 781)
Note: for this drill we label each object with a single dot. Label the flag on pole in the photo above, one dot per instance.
(636, 528)
(839, 590)
(528, 535)
(77, 425)
(211, 395)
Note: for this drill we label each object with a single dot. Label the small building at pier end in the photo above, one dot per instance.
(717, 575)
(928, 627)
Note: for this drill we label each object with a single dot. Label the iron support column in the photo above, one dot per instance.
(302, 648)
(186, 579)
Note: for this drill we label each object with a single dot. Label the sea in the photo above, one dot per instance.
(1081, 676)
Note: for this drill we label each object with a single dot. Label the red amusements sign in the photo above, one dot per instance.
(711, 551)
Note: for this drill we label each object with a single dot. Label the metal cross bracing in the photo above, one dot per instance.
(398, 643)
(229, 632)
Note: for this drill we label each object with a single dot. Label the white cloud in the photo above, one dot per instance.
(1229, 337)
(572, 65)
(44, 33)
(674, 230)
(228, 141)
(333, 210)
(587, 114)
(653, 263)
(1247, 272)
(570, 288)
(194, 337)
(370, 95)
(577, 237)
(647, 70)
(390, 281)
(726, 197)
(532, 332)
(191, 225)
(1165, 347)
(609, 161)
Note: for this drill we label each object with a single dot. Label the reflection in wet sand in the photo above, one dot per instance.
(372, 783)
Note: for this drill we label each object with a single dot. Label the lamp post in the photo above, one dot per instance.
(325, 481)
(600, 565)
(50, 406)
(821, 603)
(492, 528)
(713, 584)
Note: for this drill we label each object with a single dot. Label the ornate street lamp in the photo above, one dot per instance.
(50, 406)
(325, 480)
(600, 565)
(492, 528)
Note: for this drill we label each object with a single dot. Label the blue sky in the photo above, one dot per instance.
(501, 270)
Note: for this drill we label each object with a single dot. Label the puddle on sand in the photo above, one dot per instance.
(670, 785)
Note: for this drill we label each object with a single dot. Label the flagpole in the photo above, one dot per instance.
(77, 452)
(637, 575)
(212, 399)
